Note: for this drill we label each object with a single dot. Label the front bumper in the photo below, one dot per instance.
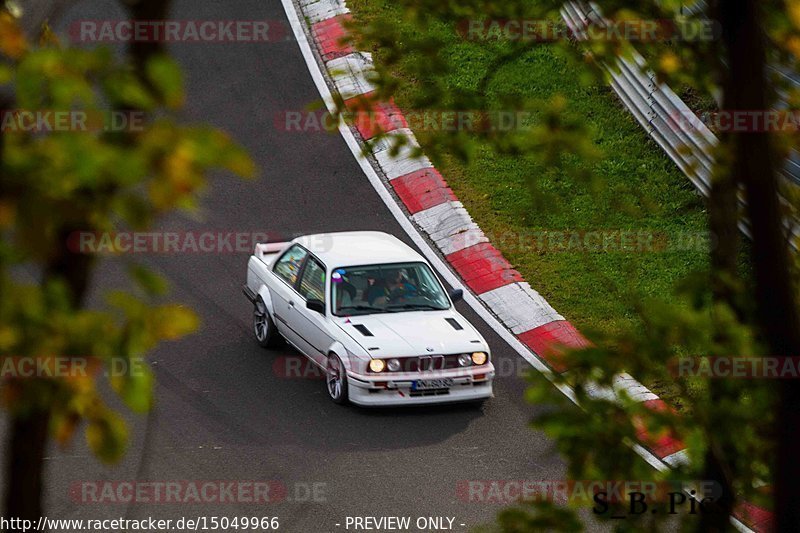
(388, 389)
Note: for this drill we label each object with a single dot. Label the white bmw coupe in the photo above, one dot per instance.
(371, 312)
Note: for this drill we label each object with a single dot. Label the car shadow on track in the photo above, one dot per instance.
(266, 397)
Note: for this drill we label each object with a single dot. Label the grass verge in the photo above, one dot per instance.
(641, 189)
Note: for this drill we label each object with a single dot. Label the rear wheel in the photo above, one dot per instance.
(336, 379)
(263, 327)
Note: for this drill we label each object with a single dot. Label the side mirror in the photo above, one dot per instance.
(457, 295)
(316, 305)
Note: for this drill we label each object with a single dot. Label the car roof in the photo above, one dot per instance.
(353, 248)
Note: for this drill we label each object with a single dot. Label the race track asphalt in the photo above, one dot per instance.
(223, 412)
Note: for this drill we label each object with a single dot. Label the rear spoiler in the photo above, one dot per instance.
(266, 248)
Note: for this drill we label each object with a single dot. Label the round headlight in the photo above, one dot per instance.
(377, 365)
(464, 359)
(479, 358)
(393, 365)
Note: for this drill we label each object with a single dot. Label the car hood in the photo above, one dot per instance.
(412, 333)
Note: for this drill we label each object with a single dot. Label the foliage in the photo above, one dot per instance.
(93, 179)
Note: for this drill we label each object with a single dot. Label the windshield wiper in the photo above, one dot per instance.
(415, 306)
(361, 307)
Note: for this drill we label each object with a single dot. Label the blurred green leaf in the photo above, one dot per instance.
(163, 72)
(107, 436)
(152, 283)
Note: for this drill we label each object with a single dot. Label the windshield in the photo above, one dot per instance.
(389, 288)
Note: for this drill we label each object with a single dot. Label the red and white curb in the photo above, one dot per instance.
(436, 212)
(320, 10)
(350, 73)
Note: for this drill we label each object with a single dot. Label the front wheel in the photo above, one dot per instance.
(263, 327)
(336, 379)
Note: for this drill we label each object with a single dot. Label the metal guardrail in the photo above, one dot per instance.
(655, 106)
(664, 116)
(791, 170)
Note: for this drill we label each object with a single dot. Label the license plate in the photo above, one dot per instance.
(426, 384)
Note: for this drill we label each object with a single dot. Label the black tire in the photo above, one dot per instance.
(266, 334)
(336, 379)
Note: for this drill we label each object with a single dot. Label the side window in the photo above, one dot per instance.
(312, 286)
(288, 266)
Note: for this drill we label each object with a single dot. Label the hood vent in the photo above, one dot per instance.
(453, 322)
(363, 329)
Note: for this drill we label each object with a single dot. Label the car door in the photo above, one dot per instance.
(312, 326)
(283, 291)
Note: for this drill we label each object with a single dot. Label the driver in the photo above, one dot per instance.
(398, 285)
